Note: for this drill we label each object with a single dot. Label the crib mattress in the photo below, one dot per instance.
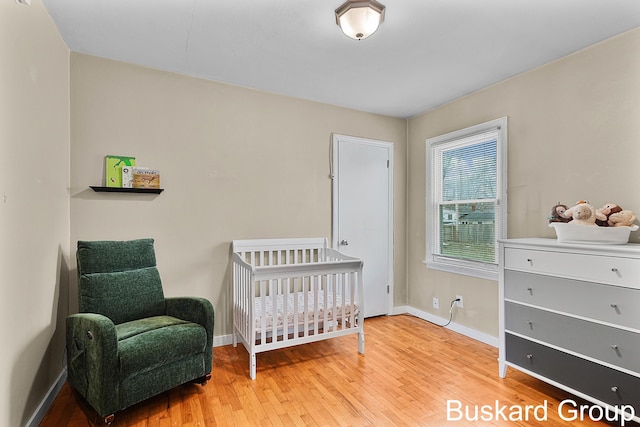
(333, 307)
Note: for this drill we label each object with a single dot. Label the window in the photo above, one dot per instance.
(466, 199)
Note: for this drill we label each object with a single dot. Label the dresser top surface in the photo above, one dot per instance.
(632, 249)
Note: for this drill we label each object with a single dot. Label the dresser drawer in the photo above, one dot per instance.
(611, 304)
(611, 270)
(601, 382)
(604, 343)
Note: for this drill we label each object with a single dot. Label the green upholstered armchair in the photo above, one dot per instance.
(128, 342)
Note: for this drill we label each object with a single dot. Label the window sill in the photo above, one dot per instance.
(488, 272)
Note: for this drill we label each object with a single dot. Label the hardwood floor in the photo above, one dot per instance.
(410, 371)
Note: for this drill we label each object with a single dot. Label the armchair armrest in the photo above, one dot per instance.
(196, 310)
(92, 351)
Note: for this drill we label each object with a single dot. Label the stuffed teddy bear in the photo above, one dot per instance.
(582, 214)
(603, 214)
(621, 219)
(557, 214)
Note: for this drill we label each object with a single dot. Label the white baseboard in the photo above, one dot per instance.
(461, 329)
(223, 340)
(48, 399)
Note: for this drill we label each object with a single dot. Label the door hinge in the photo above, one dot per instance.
(387, 164)
(387, 288)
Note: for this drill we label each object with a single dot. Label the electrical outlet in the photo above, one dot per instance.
(459, 303)
(436, 303)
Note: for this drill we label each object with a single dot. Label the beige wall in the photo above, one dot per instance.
(574, 133)
(235, 163)
(238, 163)
(34, 207)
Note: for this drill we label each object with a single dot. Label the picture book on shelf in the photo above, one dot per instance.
(113, 169)
(145, 177)
(127, 177)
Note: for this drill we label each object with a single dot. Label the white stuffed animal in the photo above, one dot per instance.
(582, 214)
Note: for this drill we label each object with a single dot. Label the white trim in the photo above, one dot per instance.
(223, 340)
(469, 268)
(461, 329)
(47, 401)
(336, 139)
(482, 271)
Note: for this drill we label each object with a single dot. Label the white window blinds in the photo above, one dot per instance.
(464, 216)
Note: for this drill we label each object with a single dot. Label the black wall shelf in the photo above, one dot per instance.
(126, 190)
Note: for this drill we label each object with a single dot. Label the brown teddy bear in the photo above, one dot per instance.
(623, 218)
(603, 214)
(557, 214)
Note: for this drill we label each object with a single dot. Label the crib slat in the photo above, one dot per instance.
(306, 308)
(352, 293)
(345, 297)
(275, 302)
(296, 309)
(335, 307)
(285, 311)
(248, 293)
(336, 301)
(326, 306)
(341, 290)
(263, 318)
(316, 313)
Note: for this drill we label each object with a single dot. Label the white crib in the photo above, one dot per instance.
(294, 291)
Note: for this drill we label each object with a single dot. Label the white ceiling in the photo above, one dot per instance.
(426, 53)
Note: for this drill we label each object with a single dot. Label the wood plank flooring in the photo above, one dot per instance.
(410, 371)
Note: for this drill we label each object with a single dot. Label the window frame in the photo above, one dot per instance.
(434, 260)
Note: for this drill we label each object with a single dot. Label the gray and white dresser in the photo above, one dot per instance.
(570, 316)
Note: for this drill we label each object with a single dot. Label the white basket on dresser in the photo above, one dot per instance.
(570, 316)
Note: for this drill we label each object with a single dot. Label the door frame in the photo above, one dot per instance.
(335, 148)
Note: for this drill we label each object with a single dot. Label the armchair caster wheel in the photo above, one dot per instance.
(108, 420)
(203, 380)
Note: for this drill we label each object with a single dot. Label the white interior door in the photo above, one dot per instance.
(363, 214)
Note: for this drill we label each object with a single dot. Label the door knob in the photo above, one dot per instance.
(344, 243)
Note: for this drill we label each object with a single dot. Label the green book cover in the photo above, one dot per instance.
(113, 169)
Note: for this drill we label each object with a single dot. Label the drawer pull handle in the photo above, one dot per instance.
(529, 356)
(614, 389)
(614, 305)
(615, 270)
(529, 260)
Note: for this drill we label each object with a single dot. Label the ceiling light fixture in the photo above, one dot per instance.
(359, 19)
